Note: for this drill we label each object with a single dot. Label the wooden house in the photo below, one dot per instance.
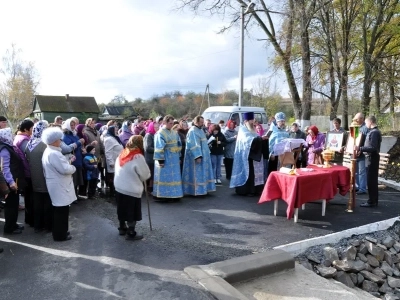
(47, 107)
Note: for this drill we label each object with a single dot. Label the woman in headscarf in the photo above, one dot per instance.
(103, 170)
(139, 128)
(112, 148)
(57, 172)
(69, 138)
(13, 170)
(229, 149)
(20, 141)
(278, 134)
(79, 131)
(131, 171)
(43, 214)
(316, 144)
(98, 126)
(152, 128)
(182, 131)
(126, 132)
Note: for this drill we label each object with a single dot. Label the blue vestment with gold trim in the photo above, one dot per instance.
(197, 178)
(167, 179)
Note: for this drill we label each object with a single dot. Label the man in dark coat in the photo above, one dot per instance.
(371, 149)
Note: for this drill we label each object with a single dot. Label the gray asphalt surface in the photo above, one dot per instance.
(99, 264)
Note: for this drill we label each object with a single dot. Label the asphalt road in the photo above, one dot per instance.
(99, 264)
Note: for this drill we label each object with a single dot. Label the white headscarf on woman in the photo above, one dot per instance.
(6, 136)
(51, 135)
(36, 137)
(67, 125)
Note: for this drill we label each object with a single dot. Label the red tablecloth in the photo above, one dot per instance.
(296, 190)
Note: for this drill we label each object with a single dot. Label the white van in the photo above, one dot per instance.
(217, 113)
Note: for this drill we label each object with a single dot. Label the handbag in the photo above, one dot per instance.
(4, 190)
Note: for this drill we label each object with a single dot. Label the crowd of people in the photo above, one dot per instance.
(55, 165)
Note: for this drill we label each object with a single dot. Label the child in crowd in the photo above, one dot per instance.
(91, 171)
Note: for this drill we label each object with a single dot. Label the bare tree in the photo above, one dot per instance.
(264, 17)
(379, 28)
(19, 86)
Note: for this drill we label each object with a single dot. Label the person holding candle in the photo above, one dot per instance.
(229, 149)
(217, 144)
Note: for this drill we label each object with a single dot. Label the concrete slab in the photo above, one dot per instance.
(221, 289)
(251, 266)
(298, 283)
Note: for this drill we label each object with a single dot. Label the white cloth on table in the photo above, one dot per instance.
(287, 145)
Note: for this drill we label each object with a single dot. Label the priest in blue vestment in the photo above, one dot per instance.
(167, 173)
(248, 166)
(197, 175)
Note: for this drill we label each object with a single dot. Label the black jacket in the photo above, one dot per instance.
(217, 149)
(372, 145)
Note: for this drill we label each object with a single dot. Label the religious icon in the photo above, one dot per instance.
(334, 140)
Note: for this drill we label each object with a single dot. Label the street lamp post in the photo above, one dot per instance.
(241, 65)
(249, 8)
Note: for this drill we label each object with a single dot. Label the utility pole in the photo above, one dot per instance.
(241, 64)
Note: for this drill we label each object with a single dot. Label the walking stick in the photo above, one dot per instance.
(148, 204)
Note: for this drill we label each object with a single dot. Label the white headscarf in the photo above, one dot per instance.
(67, 125)
(6, 136)
(52, 134)
(36, 137)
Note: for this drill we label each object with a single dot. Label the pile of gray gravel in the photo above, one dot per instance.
(369, 261)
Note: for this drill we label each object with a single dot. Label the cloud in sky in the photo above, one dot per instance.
(137, 48)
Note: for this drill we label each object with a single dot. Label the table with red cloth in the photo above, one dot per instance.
(295, 190)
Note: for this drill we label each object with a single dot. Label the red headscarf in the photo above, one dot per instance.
(133, 147)
(315, 130)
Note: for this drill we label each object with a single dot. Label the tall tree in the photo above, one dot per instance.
(264, 16)
(380, 21)
(19, 86)
(331, 40)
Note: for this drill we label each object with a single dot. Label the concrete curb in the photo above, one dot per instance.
(389, 183)
(216, 277)
(299, 247)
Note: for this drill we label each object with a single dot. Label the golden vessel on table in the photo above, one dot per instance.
(327, 155)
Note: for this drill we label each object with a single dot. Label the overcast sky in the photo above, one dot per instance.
(103, 48)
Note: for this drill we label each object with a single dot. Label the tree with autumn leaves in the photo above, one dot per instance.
(339, 49)
(18, 87)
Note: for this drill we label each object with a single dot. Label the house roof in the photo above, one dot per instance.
(65, 103)
(118, 110)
